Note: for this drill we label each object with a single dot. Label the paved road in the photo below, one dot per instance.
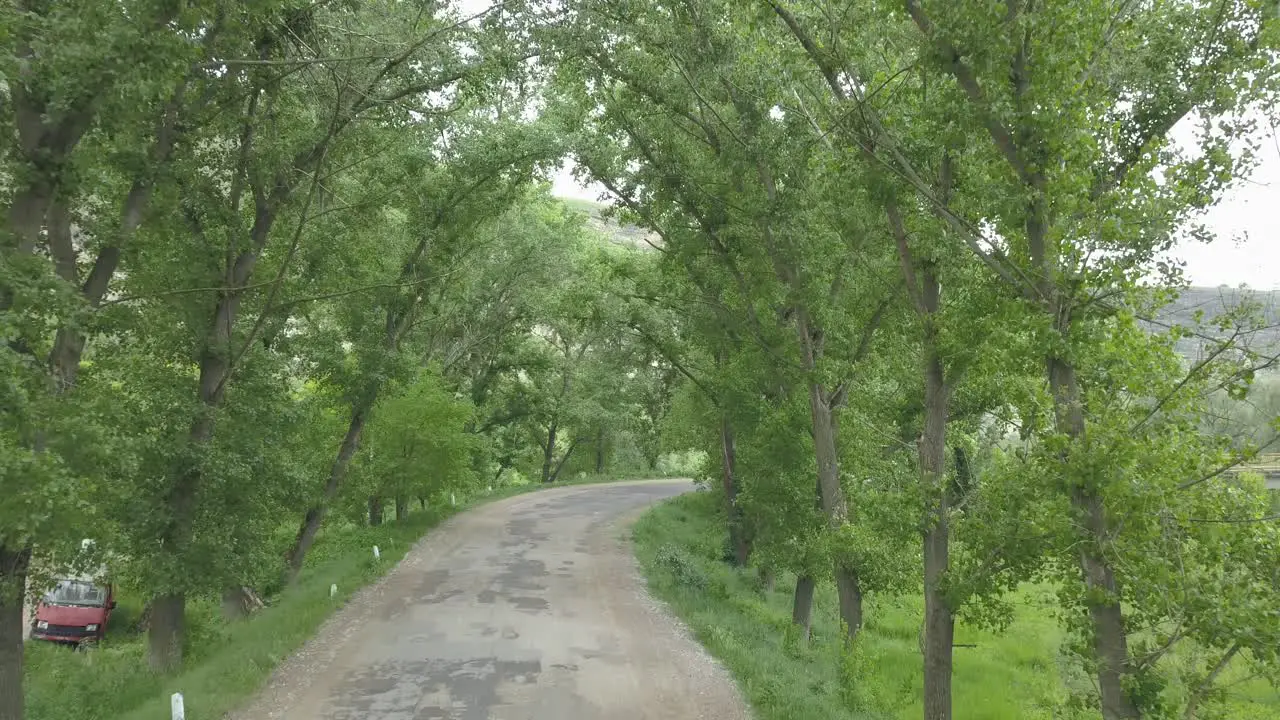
(529, 608)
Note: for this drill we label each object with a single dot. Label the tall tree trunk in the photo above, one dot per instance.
(375, 510)
(939, 619)
(402, 507)
(1102, 590)
(165, 632)
(802, 605)
(26, 218)
(27, 215)
(729, 481)
(832, 498)
(768, 579)
(314, 517)
(549, 452)
(600, 454)
(13, 584)
(215, 374)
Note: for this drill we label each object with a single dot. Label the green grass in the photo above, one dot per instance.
(590, 207)
(1020, 674)
(226, 663)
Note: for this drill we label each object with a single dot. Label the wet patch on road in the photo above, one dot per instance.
(458, 690)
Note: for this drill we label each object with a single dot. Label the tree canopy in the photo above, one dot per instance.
(270, 267)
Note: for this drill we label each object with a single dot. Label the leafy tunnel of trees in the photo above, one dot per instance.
(898, 276)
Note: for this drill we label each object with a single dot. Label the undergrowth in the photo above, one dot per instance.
(1020, 674)
(225, 663)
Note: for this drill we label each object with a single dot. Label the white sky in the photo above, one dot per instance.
(1247, 225)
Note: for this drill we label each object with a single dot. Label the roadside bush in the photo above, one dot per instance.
(682, 568)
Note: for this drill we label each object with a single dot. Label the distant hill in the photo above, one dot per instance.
(1210, 303)
(622, 234)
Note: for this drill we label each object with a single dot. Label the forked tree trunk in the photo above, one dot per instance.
(549, 453)
(555, 472)
(831, 495)
(13, 580)
(802, 605)
(375, 510)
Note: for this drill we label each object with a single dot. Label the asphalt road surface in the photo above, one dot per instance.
(529, 608)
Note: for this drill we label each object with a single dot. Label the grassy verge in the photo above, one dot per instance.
(226, 663)
(1016, 675)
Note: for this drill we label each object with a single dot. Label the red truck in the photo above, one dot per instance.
(76, 610)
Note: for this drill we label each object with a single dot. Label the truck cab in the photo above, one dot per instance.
(75, 611)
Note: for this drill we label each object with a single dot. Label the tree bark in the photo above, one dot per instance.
(567, 454)
(375, 510)
(166, 631)
(238, 602)
(831, 496)
(925, 291)
(802, 605)
(768, 578)
(13, 584)
(549, 452)
(314, 517)
(600, 454)
(1102, 590)
(402, 507)
(26, 216)
(729, 481)
(939, 619)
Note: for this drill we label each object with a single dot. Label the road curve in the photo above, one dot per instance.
(529, 608)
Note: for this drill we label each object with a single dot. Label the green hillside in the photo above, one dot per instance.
(1197, 308)
(621, 233)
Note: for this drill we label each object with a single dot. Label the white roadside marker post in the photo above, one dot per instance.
(333, 589)
(377, 555)
(175, 705)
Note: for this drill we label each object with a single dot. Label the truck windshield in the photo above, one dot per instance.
(76, 592)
